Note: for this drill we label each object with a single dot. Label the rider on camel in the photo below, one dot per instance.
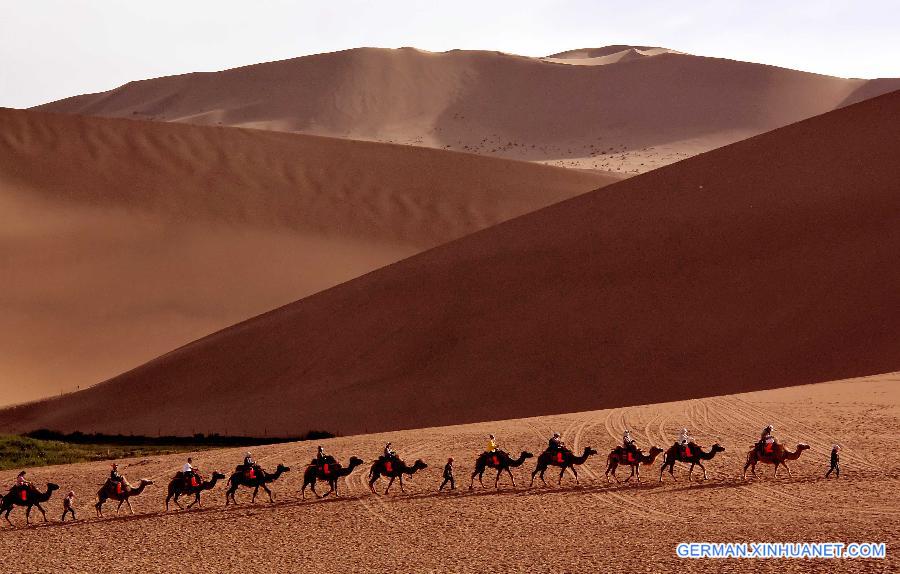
(628, 443)
(188, 471)
(492, 443)
(556, 443)
(684, 439)
(116, 478)
(767, 440)
(389, 453)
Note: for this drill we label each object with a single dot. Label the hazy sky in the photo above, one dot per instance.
(50, 49)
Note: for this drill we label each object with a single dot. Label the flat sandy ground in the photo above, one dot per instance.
(593, 526)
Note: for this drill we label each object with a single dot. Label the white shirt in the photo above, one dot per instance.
(187, 468)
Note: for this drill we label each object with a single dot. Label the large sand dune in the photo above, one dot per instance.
(622, 108)
(122, 240)
(767, 263)
(594, 527)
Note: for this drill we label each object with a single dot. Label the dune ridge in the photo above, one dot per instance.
(767, 263)
(631, 109)
(121, 240)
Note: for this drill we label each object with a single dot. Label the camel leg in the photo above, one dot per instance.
(631, 474)
(255, 492)
(372, 483)
(178, 504)
(6, 516)
(390, 482)
(313, 488)
(27, 515)
(497, 479)
(120, 506)
(196, 500)
(691, 472)
(700, 464)
(561, 473)
(575, 472)
(511, 477)
(776, 470)
(401, 484)
(229, 495)
(637, 473)
(784, 463)
(269, 492)
(44, 514)
(128, 503)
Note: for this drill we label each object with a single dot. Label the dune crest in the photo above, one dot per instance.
(627, 109)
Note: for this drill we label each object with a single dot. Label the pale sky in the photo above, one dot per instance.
(51, 49)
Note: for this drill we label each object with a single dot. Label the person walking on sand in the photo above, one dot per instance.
(448, 475)
(835, 459)
(69, 506)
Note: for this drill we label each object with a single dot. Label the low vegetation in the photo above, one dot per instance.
(44, 447)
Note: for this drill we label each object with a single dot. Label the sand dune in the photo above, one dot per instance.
(594, 527)
(122, 240)
(767, 263)
(629, 109)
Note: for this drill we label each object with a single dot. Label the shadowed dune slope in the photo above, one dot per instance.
(121, 240)
(767, 263)
(621, 108)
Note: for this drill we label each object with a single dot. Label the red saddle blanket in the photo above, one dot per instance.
(388, 466)
(326, 468)
(24, 494)
(559, 457)
(118, 488)
(496, 460)
(629, 456)
(687, 451)
(250, 473)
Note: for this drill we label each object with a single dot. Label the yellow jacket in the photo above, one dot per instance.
(492, 446)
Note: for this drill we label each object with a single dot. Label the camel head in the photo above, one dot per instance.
(217, 475)
(588, 451)
(355, 461)
(802, 446)
(146, 482)
(282, 468)
(51, 487)
(526, 454)
(717, 448)
(419, 464)
(655, 451)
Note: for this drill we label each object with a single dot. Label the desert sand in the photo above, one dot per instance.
(121, 240)
(767, 263)
(590, 527)
(620, 108)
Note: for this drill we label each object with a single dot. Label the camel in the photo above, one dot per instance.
(565, 459)
(778, 457)
(329, 473)
(696, 457)
(32, 497)
(619, 456)
(499, 460)
(177, 487)
(111, 490)
(260, 479)
(393, 468)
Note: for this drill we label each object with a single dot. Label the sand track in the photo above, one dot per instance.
(534, 529)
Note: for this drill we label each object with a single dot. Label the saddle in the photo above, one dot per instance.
(253, 472)
(766, 448)
(688, 450)
(388, 465)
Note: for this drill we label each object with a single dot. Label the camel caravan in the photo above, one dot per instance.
(324, 468)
